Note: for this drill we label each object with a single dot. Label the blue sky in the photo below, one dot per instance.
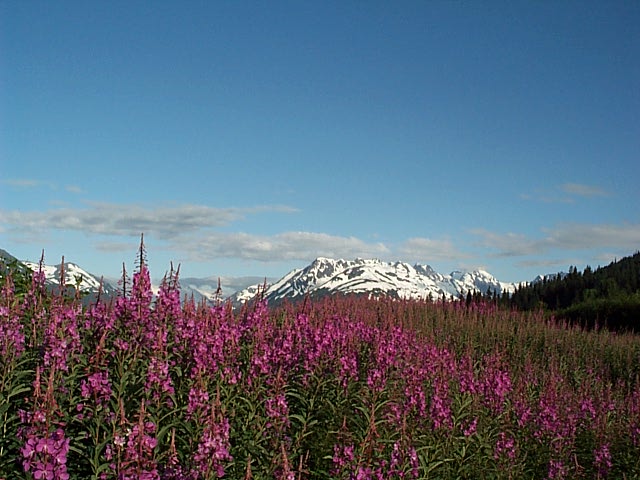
(248, 138)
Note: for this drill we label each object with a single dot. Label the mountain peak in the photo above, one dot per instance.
(325, 276)
(74, 276)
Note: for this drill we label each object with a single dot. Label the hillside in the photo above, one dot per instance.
(75, 277)
(21, 273)
(608, 295)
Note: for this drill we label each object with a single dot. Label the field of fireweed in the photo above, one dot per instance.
(343, 388)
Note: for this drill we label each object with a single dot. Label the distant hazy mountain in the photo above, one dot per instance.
(207, 287)
(325, 276)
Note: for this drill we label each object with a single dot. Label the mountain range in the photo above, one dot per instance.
(323, 276)
(326, 276)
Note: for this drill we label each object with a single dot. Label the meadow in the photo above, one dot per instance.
(148, 387)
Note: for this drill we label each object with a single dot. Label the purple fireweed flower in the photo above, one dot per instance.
(396, 459)
(61, 336)
(557, 417)
(11, 335)
(414, 461)
(198, 402)
(505, 448)
(634, 414)
(213, 449)
(134, 312)
(96, 386)
(46, 457)
(214, 344)
(523, 412)
(121, 344)
(277, 410)
(400, 457)
(138, 459)
(415, 397)
(471, 428)
(158, 380)
(363, 473)
(167, 304)
(99, 318)
(139, 305)
(557, 470)
(495, 384)
(588, 409)
(386, 347)
(343, 458)
(258, 315)
(466, 375)
(440, 408)
(602, 459)
(348, 368)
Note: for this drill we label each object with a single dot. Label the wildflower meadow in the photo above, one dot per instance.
(158, 387)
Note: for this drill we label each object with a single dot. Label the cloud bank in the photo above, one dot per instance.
(203, 233)
(568, 236)
(282, 246)
(130, 220)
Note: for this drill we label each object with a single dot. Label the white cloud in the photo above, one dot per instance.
(539, 262)
(583, 236)
(568, 236)
(507, 244)
(583, 190)
(116, 247)
(191, 231)
(165, 222)
(24, 183)
(283, 246)
(74, 189)
(427, 249)
(565, 193)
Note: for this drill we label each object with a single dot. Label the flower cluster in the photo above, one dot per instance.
(96, 387)
(602, 459)
(158, 380)
(46, 457)
(213, 449)
(11, 334)
(505, 449)
(138, 460)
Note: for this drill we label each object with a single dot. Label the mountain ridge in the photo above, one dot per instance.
(74, 277)
(325, 276)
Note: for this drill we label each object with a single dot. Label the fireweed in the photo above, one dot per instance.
(161, 387)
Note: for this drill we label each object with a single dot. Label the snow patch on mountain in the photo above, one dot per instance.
(326, 276)
(74, 276)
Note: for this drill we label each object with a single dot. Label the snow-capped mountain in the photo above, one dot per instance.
(74, 277)
(325, 276)
(207, 288)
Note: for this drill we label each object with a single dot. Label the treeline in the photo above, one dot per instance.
(606, 297)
